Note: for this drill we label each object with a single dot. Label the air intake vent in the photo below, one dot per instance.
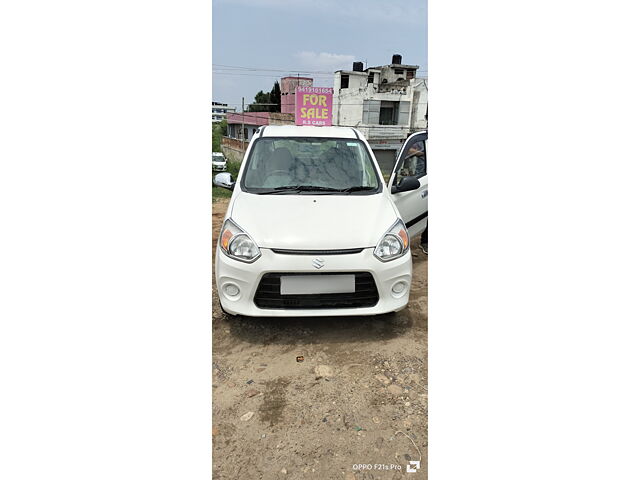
(268, 294)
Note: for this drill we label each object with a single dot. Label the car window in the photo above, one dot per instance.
(413, 162)
(323, 163)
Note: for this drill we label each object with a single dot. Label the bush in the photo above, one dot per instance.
(233, 168)
(217, 131)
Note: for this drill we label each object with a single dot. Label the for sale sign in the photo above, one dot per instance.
(314, 106)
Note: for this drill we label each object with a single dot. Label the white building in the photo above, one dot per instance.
(385, 103)
(219, 111)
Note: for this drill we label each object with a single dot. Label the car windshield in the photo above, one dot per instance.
(296, 165)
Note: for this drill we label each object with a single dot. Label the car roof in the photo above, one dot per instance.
(308, 131)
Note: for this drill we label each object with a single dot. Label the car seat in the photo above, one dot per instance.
(279, 168)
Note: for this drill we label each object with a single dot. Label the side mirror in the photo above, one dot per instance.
(406, 185)
(224, 180)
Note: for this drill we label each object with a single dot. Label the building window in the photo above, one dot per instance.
(389, 113)
(411, 74)
(370, 78)
(399, 71)
(344, 80)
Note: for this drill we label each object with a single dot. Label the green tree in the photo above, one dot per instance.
(218, 130)
(274, 96)
(215, 137)
(263, 100)
(260, 99)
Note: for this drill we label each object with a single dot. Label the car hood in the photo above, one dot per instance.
(314, 222)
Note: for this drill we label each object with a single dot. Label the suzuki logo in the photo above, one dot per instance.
(318, 262)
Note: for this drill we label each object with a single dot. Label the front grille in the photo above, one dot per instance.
(268, 294)
(344, 251)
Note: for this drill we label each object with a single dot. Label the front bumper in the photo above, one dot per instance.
(219, 168)
(246, 277)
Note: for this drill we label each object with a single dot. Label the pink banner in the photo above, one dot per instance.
(314, 106)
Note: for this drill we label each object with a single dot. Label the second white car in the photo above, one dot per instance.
(218, 162)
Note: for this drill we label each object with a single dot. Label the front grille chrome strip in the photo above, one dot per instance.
(346, 251)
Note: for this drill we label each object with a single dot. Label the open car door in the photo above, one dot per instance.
(411, 169)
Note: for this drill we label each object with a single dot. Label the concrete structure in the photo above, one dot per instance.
(251, 121)
(219, 111)
(386, 103)
(233, 146)
(288, 92)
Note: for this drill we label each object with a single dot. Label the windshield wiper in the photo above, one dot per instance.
(314, 188)
(285, 189)
(358, 188)
(299, 188)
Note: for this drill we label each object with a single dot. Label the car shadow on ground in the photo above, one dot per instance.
(312, 330)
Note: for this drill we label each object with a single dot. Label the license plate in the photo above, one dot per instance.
(314, 284)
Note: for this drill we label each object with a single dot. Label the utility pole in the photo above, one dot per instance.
(242, 131)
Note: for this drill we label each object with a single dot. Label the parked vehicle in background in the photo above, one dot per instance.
(218, 162)
(224, 180)
(312, 230)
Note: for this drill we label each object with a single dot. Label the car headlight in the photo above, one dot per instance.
(237, 244)
(393, 244)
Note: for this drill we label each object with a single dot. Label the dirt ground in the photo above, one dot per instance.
(358, 399)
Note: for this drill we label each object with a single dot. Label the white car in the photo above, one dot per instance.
(224, 180)
(312, 230)
(218, 161)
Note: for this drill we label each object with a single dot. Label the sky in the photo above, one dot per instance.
(256, 42)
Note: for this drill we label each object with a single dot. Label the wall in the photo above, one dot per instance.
(287, 92)
(347, 107)
(250, 118)
(419, 104)
(384, 132)
(233, 149)
(388, 72)
(282, 119)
